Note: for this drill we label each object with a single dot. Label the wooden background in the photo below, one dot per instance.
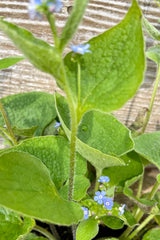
(100, 15)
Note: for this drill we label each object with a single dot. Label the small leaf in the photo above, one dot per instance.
(112, 222)
(112, 73)
(12, 226)
(7, 62)
(38, 52)
(27, 110)
(154, 54)
(130, 220)
(148, 146)
(94, 155)
(81, 184)
(73, 21)
(49, 151)
(127, 174)
(152, 234)
(87, 229)
(26, 187)
(153, 32)
(27, 132)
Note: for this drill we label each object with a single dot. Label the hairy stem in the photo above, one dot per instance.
(152, 100)
(44, 232)
(8, 124)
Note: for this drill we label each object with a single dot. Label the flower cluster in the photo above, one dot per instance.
(53, 6)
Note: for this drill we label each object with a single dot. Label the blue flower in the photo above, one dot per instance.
(55, 6)
(57, 125)
(121, 210)
(103, 179)
(108, 202)
(32, 9)
(86, 212)
(81, 49)
(99, 196)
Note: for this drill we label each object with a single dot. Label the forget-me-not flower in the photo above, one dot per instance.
(57, 125)
(55, 6)
(121, 210)
(103, 179)
(108, 202)
(86, 212)
(99, 196)
(81, 49)
(32, 9)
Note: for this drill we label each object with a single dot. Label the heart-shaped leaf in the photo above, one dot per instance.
(112, 73)
(26, 187)
(49, 151)
(27, 110)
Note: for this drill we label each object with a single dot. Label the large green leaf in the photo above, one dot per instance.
(125, 175)
(38, 52)
(148, 146)
(7, 62)
(152, 234)
(97, 153)
(27, 110)
(49, 150)
(112, 73)
(73, 21)
(87, 229)
(12, 226)
(26, 187)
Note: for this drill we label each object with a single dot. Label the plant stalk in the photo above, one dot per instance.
(154, 190)
(44, 232)
(152, 101)
(51, 20)
(8, 124)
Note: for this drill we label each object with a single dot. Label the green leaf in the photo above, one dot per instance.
(49, 151)
(27, 132)
(152, 234)
(130, 220)
(38, 52)
(153, 32)
(81, 184)
(154, 54)
(112, 73)
(26, 187)
(87, 229)
(12, 226)
(93, 152)
(7, 62)
(32, 236)
(148, 146)
(73, 21)
(127, 174)
(27, 110)
(112, 222)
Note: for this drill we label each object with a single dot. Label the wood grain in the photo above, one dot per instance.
(100, 15)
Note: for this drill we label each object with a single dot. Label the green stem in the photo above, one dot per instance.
(140, 187)
(79, 83)
(98, 174)
(8, 124)
(152, 101)
(54, 231)
(141, 226)
(154, 190)
(44, 232)
(51, 21)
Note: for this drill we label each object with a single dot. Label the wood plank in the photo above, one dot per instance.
(100, 15)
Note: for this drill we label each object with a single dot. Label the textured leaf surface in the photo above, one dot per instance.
(112, 222)
(7, 62)
(125, 175)
(148, 146)
(154, 54)
(38, 52)
(54, 152)
(87, 229)
(26, 187)
(112, 73)
(12, 226)
(81, 184)
(27, 110)
(152, 234)
(94, 155)
(73, 21)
